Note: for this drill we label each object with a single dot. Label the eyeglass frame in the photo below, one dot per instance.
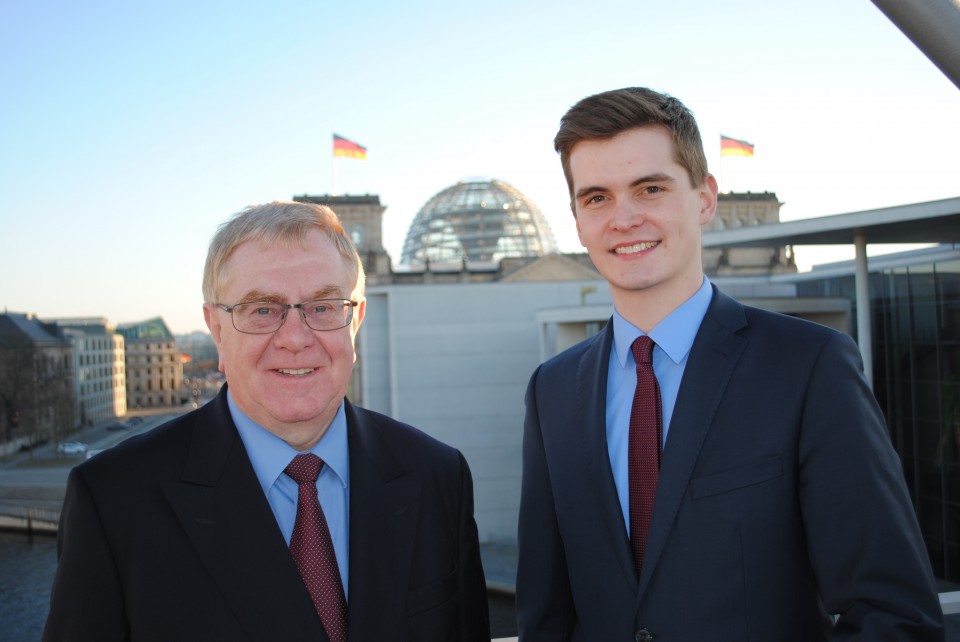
(350, 304)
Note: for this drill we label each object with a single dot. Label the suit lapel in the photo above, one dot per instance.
(713, 358)
(228, 520)
(591, 428)
(384, 505)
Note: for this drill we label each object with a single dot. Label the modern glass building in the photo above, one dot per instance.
(915, 320)
(477, 222)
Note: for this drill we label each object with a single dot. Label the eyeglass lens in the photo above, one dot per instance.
(263, 317)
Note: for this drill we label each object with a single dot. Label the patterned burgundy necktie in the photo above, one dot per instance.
(312, 549)
(646, 437)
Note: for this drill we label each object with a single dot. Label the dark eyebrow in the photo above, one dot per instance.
(653, 178)
(588, 190)
(650, 178)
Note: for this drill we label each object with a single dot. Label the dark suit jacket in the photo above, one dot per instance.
(780, 500)
(169, 537)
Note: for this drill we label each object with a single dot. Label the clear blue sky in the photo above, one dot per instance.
(130, 130)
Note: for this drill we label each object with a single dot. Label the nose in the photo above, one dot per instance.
(627, 214)
(294, 334)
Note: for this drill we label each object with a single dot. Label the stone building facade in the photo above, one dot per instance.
(743, 209)
(362, 219)
(99, 371)
(153, 365)
(36, 382)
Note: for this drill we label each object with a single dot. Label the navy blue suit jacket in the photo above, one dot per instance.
(168, 536)
(780, 501)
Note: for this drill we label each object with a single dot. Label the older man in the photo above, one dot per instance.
(278, 511)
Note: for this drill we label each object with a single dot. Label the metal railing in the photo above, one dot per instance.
(29, 519)
(950, 602)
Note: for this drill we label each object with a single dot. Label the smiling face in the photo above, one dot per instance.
(292, 381)
(639, 218)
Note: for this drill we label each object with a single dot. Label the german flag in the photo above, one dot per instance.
(733, 147)
(348, 148)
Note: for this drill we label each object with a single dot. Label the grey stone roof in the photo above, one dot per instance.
(16, 327)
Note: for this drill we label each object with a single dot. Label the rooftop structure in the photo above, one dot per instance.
(477, 221)
(150, 329)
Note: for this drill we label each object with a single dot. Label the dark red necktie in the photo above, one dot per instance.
(646, 437)
(312, 549)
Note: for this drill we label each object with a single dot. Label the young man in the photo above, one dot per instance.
(207, 528)
(744, 488)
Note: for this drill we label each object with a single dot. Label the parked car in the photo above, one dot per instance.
(72, 448)
(118, 425)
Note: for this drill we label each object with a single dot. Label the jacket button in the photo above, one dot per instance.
(643, 635)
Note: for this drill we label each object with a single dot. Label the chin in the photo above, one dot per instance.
(297, 418)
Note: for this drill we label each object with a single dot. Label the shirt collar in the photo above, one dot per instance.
(674, 334)
(270, 455)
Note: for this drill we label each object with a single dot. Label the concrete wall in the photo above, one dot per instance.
(454, 361)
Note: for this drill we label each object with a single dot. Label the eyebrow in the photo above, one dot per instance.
(322, 293)
(257, 295)
(327, 291)
(650, 178)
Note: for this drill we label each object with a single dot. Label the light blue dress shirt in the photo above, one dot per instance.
(674, 337)
(270, 455)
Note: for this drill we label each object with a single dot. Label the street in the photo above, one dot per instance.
(38, 478)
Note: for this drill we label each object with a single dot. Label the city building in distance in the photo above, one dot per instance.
(99, 371)
(154, 367)
(36, 382)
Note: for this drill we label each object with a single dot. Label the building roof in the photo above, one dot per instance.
(331, 200)
(746, 196)
(145, 330)
(85, 325)
(552, 267)
(930, 222)
(15, 327)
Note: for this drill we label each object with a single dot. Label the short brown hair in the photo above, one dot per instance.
(277, 222)
(607, 114)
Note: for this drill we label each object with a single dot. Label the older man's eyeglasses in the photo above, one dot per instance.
(266, 317)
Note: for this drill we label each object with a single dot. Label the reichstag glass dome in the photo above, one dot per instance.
(480, 221)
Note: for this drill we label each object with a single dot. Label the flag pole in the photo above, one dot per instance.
(334, 191)
(721, 164)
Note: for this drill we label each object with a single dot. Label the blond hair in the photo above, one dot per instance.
(277, 222)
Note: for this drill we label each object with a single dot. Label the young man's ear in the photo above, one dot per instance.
(708, 198)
